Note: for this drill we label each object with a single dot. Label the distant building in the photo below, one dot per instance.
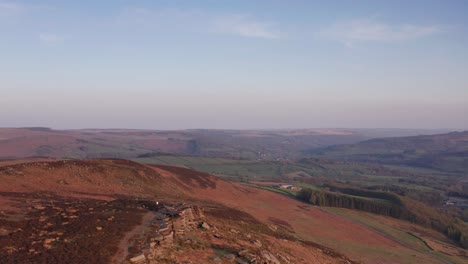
(289, 187)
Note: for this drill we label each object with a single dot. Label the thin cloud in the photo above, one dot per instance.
(369, 30)
(150, 16)
(197, 20)
(9, 8)
(51, 39)
(246, 27)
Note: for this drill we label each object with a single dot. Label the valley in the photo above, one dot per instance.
(170, 207)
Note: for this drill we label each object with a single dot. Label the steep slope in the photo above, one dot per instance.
(76, 211)
(98, 197)
(305, 222)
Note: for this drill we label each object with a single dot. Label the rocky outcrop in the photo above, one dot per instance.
(169, 223)
(173, 236)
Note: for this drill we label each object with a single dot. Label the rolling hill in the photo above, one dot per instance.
(56, 210)
(127, 143)
(446, 152)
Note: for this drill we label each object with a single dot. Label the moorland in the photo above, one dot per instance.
(292, 196)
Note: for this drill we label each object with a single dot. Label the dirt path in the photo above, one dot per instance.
(122, 251)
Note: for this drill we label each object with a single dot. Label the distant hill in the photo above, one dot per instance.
(130, 143)
(447, 152)
(120, 143)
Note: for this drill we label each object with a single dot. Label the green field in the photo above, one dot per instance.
(309, 171)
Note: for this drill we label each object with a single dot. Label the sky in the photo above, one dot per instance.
(265, 64)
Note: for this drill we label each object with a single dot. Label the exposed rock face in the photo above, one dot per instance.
(180, 236)
(187, 228)
(170, 223)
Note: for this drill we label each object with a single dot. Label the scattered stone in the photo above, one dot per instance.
(158, 237)
(10, 250)
(205, 225)
(169, 238)
(269, 257)
(256, 243)
(4, 232)
(217, 235)
(138, 259)
(230, 257)
(47, 243)
(284, 259)
(243, 253)
(62, 182)
(98, 228)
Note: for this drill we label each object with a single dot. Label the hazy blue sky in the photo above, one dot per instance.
(234, 64)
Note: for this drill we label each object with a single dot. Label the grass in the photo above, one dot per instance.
(289, 193)
(417, 182)
(396, 233)
(367, 220)
(353, 172)
(221, 167)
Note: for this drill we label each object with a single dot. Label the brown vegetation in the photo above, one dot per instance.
(112, 184)
(76, 211)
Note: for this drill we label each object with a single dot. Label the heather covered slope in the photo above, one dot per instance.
(82, 178)
(305, 222)
(78, 211)
(321, 235)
